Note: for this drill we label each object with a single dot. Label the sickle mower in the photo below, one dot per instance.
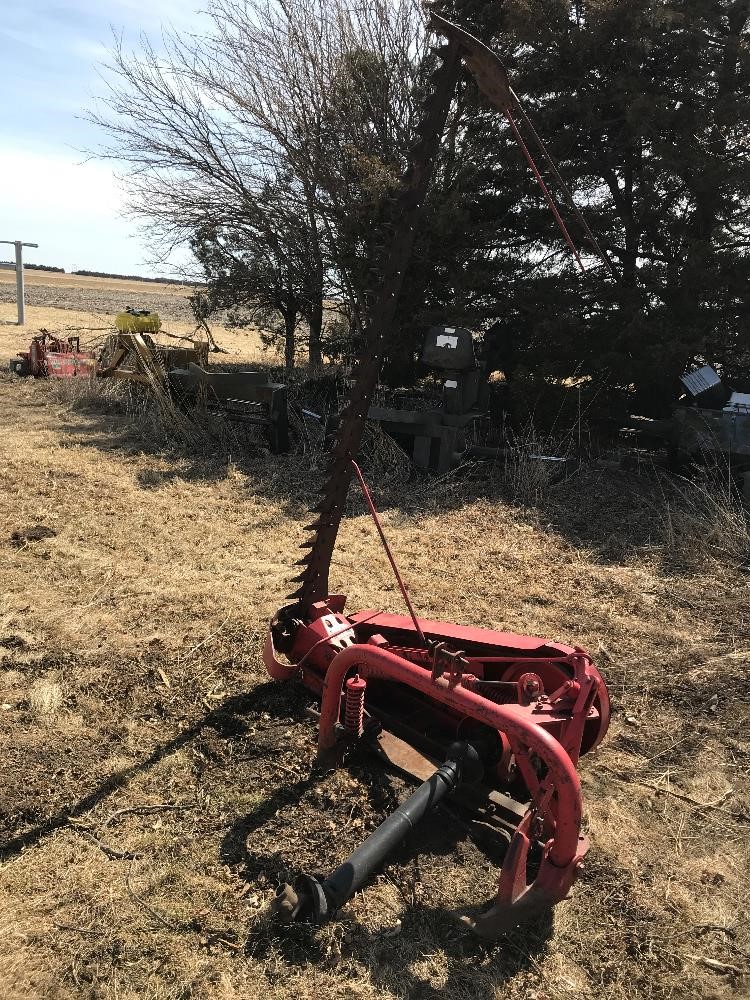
(507, 715)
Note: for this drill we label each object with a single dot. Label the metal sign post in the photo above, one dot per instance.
(20, 300)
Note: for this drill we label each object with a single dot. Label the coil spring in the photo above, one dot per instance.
(354, 706)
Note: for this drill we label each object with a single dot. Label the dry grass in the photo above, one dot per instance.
(46, 696)
(532, 463)
(705, 520)
(148, 608)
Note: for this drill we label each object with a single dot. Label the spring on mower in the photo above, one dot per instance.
(354, 706)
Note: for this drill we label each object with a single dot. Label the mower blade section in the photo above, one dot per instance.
(407, 209)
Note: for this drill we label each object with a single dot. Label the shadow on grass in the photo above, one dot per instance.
(475, 968)
(227, 720)
(611, 513)
(472, 968)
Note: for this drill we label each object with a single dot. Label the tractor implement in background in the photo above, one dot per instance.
(429, 696)
(49, 356)
(181, 374)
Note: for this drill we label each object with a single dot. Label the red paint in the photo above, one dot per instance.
(515, 720)
(51, 357)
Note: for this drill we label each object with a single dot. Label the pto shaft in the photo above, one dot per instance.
(315, 901)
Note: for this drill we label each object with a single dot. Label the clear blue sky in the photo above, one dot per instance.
(49, 53)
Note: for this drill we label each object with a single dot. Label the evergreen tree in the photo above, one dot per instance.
(644, 105)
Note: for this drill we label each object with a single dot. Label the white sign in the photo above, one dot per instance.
(443, 341)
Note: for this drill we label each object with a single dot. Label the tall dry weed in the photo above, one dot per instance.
(150, 413)
(532, 462)
(704, 518)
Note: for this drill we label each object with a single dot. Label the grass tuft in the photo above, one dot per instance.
(46, 697)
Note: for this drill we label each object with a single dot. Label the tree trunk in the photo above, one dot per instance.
(315, 321)
(290, 327)
(315, 310)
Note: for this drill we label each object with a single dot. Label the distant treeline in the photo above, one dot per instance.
(134, 277)
(103, 274)
(35, 267)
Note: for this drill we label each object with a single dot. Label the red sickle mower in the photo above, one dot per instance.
(508, 715)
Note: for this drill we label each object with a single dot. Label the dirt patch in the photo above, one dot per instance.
(101, 296)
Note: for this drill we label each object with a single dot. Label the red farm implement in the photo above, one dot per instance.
(496, 719)
(53, 357)
(508, 715)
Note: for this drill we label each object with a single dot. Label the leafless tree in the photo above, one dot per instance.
(312, 99)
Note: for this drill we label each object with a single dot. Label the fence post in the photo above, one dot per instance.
(20, 296)
(20, 300)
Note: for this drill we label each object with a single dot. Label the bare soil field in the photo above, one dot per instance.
(157, 786)
(45, 289)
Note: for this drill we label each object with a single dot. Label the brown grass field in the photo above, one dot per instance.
(156, 786)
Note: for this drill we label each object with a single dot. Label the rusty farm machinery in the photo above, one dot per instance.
(177, 374)
(53, 357)
(498, 719)
(181, 374)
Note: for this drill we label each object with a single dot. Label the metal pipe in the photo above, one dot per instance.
(391, 560)
(545, 191)
(565, 189)
(20, 300)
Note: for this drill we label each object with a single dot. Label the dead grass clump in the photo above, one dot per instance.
(704, 521)
(147, 413)
(531, 463)
(383, 458)
(92, 394)
(21, 973)
(46, 696)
